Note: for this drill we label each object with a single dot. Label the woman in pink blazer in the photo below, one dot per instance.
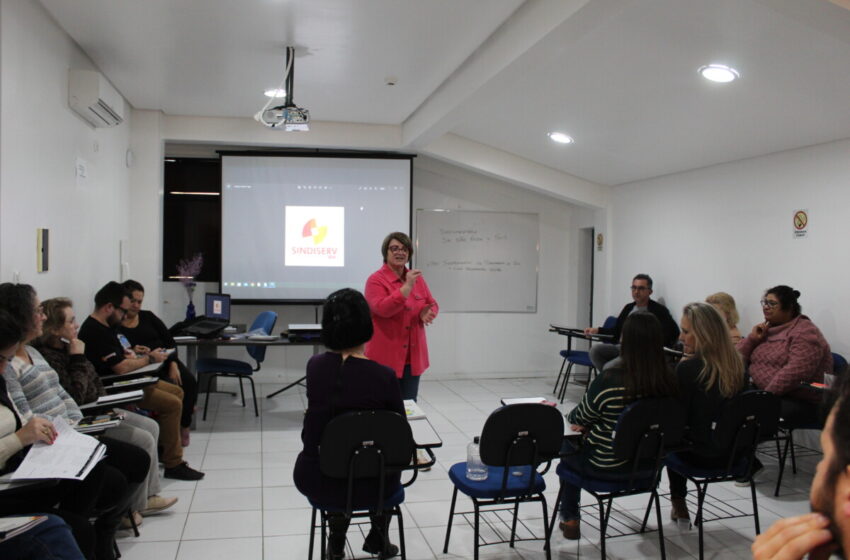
(401, 306)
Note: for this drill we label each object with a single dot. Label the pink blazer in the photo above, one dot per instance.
(397, 323)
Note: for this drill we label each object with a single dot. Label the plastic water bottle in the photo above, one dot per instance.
(475, 469)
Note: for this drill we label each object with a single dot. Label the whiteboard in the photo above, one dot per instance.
(479, 261)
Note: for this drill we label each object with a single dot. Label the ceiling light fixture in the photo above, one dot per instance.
(719, 73)
(560, 137)
(277, 92)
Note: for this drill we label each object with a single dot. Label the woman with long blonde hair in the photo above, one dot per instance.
(711, 373)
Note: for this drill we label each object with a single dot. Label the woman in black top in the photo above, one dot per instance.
(146, 331)
(339, 381)
(711, 373)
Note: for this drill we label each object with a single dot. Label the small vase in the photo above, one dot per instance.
(190, 309)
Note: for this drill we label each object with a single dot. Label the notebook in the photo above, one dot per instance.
(216, 316)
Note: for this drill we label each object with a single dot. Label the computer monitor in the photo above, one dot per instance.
(217, 306)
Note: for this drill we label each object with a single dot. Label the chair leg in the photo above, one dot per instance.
(477, 528)
(793, 455)
(660, 524)
(312, 534)
(558, 379)
(254, 394)
(701, 490)
(782, 457)
(401, 547)
(449, 525)
(604, 513)
(555, 512)
(324, 542)
(546, 546)
(755, 506)
(513, 525)
(242, 390)
(207, 400)
(646, 514)
(565, 382)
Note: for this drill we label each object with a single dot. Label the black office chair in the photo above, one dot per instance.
(745, 420)
(786, 428)
(644, 430)
(223, 367)
(360, 445)
(516, 438)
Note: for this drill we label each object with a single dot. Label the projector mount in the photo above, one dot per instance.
(286, 116)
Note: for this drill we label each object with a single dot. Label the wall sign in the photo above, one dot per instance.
(801, 223)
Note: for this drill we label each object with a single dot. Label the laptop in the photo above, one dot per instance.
(216, 316)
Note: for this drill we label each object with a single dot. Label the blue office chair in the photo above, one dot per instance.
(577, 358)
(515, 441)
(645, 430)
(786, 430)
(222, 367)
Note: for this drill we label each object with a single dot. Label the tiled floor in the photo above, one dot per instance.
(247, 507)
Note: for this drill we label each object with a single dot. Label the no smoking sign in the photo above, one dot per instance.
(801, 223)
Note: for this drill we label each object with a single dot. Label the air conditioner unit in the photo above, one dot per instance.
(92, 96)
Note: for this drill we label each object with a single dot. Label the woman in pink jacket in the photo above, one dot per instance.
(785, 351)
(401, 306)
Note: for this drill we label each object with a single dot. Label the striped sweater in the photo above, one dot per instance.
(598, 411)
(35, 389)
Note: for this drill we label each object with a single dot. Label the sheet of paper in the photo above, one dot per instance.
(72, 455)
(106, 399)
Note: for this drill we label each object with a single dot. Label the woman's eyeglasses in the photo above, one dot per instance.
(769, 303)
(398, 249)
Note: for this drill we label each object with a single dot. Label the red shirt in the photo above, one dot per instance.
(399, 336)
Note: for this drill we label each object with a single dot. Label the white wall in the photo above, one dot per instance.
(40, 142)
(729, 227)
(509, 344)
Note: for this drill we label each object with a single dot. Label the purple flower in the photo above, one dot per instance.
(188, 269)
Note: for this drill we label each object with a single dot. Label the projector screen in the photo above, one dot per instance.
(296, 228)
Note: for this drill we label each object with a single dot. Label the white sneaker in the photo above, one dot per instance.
(422, 458)
(157, 504)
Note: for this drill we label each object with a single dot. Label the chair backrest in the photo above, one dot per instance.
(746, 419)
(645, 428)
(610, 322)
(352, 443)
(522, 434)
(839, 365)
(366, 444)
(265, 321)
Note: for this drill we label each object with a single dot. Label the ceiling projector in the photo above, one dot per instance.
(287, 116)
(290, 119)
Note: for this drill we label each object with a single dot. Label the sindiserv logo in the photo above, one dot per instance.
(311, 229)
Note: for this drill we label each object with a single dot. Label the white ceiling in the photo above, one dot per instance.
(620, 76)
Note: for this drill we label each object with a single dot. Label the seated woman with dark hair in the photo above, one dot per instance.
(643, 373)
(145, 332)
(338, 381)
(784, 351)
(711, 373)
(74, 501)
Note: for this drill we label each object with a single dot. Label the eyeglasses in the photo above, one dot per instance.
(397, 249)
(639, 288)
(122, 310)
(39, 310)
(769, 303)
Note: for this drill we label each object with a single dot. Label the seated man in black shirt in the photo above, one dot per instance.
(605, 356)
(105, 351)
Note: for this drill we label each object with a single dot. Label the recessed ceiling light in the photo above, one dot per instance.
(275, 93)
(560, 137)
(719, 73)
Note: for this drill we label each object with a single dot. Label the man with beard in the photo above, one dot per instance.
(105, 351)
(826, 531)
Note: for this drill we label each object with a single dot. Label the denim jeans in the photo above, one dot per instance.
(49, 540)
(409, 384)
